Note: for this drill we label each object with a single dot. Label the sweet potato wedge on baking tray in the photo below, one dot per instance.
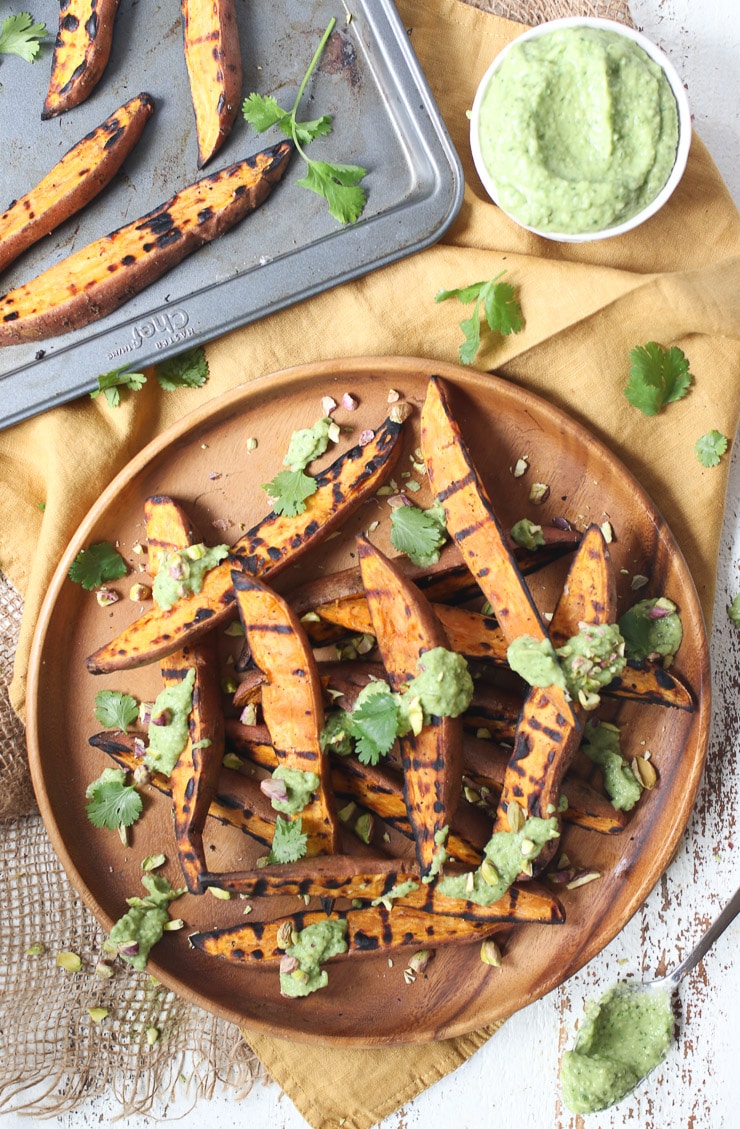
(81, 52)
(405, 627)
(214, 65)
(272, 543)
(108, 272)
(195, 775)
(74, 181)
(292, 708)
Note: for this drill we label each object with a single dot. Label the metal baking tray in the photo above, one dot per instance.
(385, 119)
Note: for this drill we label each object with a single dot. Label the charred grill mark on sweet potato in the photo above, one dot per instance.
(96, 280)
(405, 627)
(81, 52)
(74, 181)
(472, 521)
(271, 544)
(214, 65)
(292, 704)
(194, 778)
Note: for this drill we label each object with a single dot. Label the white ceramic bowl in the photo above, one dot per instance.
(684, 126)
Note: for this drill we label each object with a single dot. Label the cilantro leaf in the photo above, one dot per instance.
(495, 301)
(113, 803)
(289, 843)
(19, 35)
(115, 710)
(657, 377)
(503, 312)
(188, 370)
(288, 491)
(710, 448)
(96, 564)
(110, 382)
(418, 533)
(733, 611)
(374, 725)
(338, 184)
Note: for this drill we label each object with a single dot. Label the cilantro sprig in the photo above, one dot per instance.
(418, 533)
(710, 448)
(339, 184)
(289, 843)
(289, 490)
(115, 710)
(374, 724)
(495, 303)
(19, 35)
(97, 564)
(657, 376)
(187, 370)
(112, 802)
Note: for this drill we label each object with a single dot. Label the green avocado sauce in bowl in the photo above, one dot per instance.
(580, 129)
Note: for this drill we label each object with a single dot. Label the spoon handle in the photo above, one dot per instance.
(715, 930)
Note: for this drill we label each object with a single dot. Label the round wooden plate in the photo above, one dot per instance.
(204, 462)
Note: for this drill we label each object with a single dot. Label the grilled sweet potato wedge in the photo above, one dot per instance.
(193, 779)
(102, 276)
(546, 740)
(214, 63)
(272, 543)
(472, 521)
(406, 627)
(81, 52)
(74, 181)
(292, 704)
(369, 931)
(237, 801)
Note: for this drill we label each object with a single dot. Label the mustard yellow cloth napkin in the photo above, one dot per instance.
(675, 280)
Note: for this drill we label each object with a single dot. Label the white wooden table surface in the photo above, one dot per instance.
(513, 1080)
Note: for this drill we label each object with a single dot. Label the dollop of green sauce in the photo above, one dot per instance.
(527, 534)
(181, 572)
(400, 890)
(504, 858)
(625, 1035)
(314, 945)
(578, 130)
(300, 787)
(602, 746)
(144, 923)
(166, 742)
(584, 664)
(335, 736)
(652, 629)
(308, 443)
(443, 685)
(536, 661)
(592, 658)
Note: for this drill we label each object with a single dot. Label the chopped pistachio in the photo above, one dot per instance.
(638, 581)
(174, 925)
(490, 953)
(97, 1014)
(471, 795)
(521, 466)
(141, 774)
(106, 597)
(345, 814)
(419, 961)
(138, 548)
(151, 1035)
(393, 396)
(286, 935)
(228, 685)
(37, 949)
(235, 629)
(582, 879)
(483, 734)
(539, 492)
(139, 592)
(222, 895)
(515, 816)
(153, 862)
(364, 827)
(248, 908)
(70, 962)
(104, 970)
(409, 975)
(488, 873)
(608, 531)
(645, 772)
(231, 760)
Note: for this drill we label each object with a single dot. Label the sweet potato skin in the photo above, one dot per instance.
(214, 65)
(271, 544)
(108, 272)
(74, 181)
(81, 52)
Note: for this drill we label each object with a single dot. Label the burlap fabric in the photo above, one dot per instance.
(45, 1034)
